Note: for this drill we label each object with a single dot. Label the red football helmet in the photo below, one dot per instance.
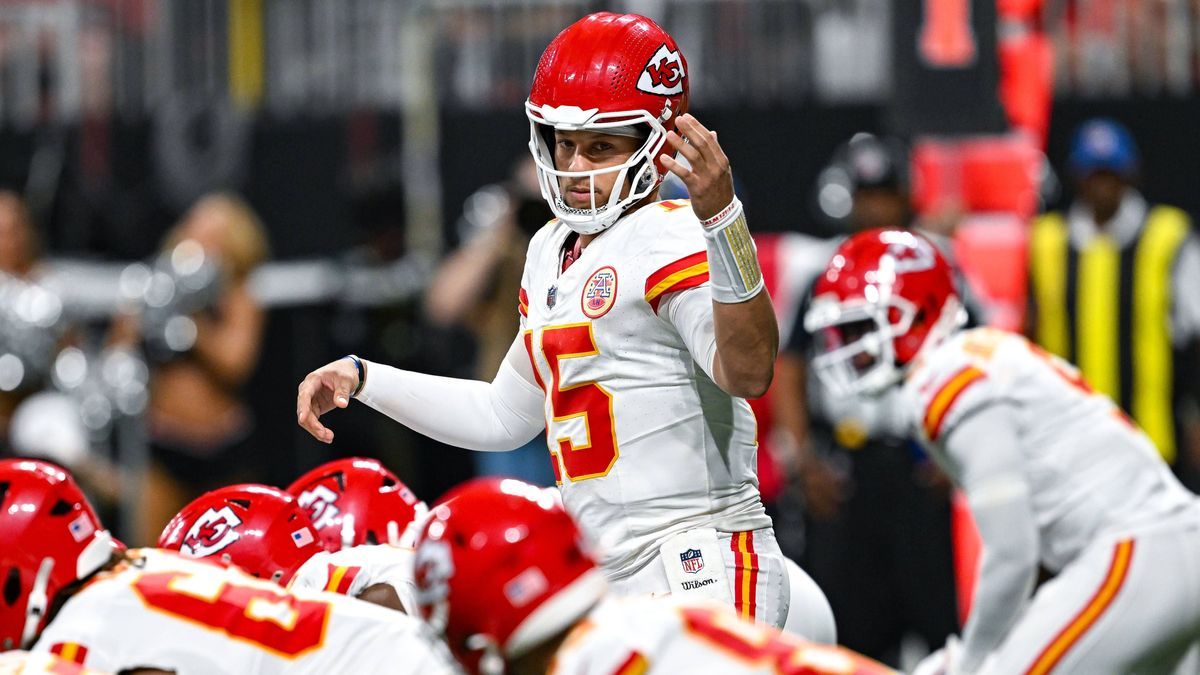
(501, 567)
(610, 73)
(359, 501)
(256, 527)
(51, 538)
(885, 296)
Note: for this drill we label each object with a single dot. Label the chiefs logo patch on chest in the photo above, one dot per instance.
(599, 293)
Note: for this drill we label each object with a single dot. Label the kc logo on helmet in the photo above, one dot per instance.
(211, 532)
(321, 504)
(663, 74)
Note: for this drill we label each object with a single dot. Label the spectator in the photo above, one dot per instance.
(198, 424)
(877, 512)
(475, 287)
(18, 259)
(1113, 290)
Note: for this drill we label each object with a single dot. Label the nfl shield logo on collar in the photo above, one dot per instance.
(692, 561)
(551, 296)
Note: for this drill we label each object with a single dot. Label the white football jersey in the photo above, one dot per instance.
(670, 635)
(1090, 471)
(24, 663)
(161, 610)
(352, 570)
(644, 444)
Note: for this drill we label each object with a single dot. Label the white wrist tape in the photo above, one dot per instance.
(733, 271)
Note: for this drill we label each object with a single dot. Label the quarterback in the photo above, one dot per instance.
(1054, 473)
(503, 574)
(74, 592)
(644, 325)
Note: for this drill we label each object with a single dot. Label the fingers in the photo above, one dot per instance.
(308, 421)
(691, 153)
(317, 394)
(676, 168)
(701, 138)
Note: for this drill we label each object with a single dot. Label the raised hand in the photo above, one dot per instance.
(710, 180)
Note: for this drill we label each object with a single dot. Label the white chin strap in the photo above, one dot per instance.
(38, 603)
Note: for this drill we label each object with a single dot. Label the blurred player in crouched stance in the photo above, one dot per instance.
(644, 326)
(503, 572)
(71, 590)
(1054, 473)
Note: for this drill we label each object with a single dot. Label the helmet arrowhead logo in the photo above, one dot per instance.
(211, 532)
(664, 73)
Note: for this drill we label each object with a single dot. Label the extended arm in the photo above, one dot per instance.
(499, 415)
(986, 447)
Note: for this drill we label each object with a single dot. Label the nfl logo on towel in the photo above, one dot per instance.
(302, 537)
(692, 561)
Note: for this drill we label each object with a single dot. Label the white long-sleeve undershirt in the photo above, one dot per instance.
(491, 416)
(985, 447)
(510, 410)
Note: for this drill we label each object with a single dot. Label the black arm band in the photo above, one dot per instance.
(362, 374)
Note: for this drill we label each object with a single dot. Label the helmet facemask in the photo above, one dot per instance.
(856, 343)
(848, 333)
(638, 173)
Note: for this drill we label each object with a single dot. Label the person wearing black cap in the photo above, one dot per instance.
(1113, 290)
(876, 512)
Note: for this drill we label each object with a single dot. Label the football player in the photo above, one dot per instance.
(18, 662)
(504, 574)
(367, 518)
(259, 528)
(644, 326)
(1054, 473)
(70, 589)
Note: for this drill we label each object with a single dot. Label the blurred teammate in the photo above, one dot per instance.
(643, 328)
(73, 591)
(876, 510)
(367, 518)
(1054, 473)
(504, 574)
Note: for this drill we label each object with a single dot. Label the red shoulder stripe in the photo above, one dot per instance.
(687, 272)
(944, 399)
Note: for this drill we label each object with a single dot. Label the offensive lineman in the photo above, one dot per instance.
(368, 519)
(644, 326)
(80, 595)
(502, 572)
(1055, 474)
